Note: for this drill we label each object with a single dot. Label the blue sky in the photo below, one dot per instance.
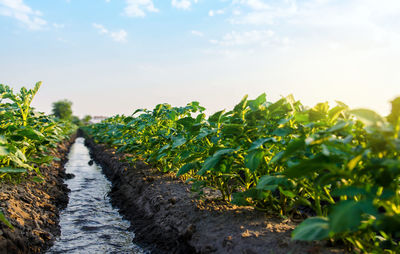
(114, 56)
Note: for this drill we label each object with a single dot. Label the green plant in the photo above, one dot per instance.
(341, 164)
(62, 109)
(26, 136)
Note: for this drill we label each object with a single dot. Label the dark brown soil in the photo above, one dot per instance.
(168, 218)
(33, 208)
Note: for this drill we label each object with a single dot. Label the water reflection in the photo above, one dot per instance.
(89, 224)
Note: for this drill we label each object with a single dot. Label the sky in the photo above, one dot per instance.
(114, 56)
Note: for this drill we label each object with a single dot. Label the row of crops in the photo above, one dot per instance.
(340, 165)
(26, 137)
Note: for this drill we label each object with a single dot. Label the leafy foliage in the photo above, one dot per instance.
(62, 109)
(26, 136)
(342, 164)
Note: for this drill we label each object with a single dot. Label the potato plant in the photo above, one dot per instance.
(26, 136)
(341, 165)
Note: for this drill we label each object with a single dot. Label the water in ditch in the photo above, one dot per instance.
(90, 224)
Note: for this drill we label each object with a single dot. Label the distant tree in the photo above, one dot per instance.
(76, 120)
(86, 119)
(62, 109)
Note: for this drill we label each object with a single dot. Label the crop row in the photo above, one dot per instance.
(26, 136)
(341, 166)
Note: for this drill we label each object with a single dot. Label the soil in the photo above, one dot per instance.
(33, 208)
(168, 218)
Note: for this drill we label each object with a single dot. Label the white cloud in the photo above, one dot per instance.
(197, 33)
(118, 36)
(253, 4)
(359, 24)
(212, 13)
(58, 26)
(183, 4)
(23, 13)
(138, 8)
(250, 38)
(100, 28)
(263, 14)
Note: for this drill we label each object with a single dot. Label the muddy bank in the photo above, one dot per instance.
(167, 217)
(33, 208)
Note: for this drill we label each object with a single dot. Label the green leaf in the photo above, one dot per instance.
(315, 228)
(164, 148)
(277, 157)
(255, 104)
(347, 215)
(178, 141)
(353, 162)
(301, 117)
(234, 129)
(306, 167)
(282, 132)
(338, 126)
(394, 117)
(260, 142)
(186, 168)
(216, 117)
(224, 151)
(31, 134)
(335, 112)
(172, 115)
(319, 112)
(270, 183)
(3, 151)
(12, 170)
(37, 179)
(253, 159)
(208, 164)
(161, 155)
(5, 221)
(287, 193)
(44, 159)
(242, 104)
(349, 191)
(212, 161)
(293, 147)
(368, 117)
(241, 198)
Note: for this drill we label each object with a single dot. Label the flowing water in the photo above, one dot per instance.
(90, 224)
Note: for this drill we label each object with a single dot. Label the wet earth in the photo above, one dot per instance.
(90, 224)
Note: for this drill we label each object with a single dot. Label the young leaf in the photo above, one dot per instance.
(208, 164)
(314, 228)
(253, 159)
(368, 117)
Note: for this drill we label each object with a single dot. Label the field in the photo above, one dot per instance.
(335, 169)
